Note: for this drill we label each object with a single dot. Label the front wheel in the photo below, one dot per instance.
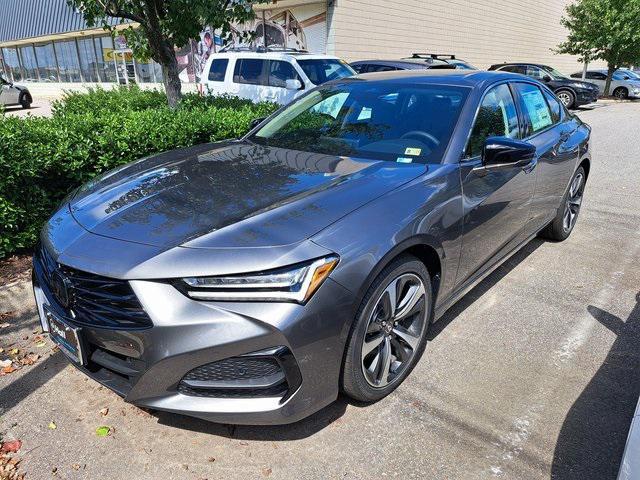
(389, 333)
(567, 98)
(25, 100)
(567, 215)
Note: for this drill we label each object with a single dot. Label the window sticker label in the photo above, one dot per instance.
(404, 160)
(537, 110)
(413, 151)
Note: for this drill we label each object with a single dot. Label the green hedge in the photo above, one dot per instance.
(41, 159)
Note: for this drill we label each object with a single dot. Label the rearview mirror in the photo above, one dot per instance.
(255, 122)
(293, 84)
(507, 152)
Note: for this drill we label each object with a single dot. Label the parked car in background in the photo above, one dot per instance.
(447, 58)
(624, 83)
(369, 66)
(273, 75)
(250, 281)
(572, 93)
(11, 94)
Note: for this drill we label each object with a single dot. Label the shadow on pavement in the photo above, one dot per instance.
(27, 383)
(295, 431)
(594, 432)
(483, 287)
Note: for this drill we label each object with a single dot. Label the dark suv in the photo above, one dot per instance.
(572, 93)
(369, 66)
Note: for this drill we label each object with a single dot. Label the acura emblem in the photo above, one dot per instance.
(61, 289)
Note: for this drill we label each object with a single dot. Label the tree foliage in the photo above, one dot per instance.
(161, 25)
(606, 30)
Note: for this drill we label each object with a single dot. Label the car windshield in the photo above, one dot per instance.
(554, 73)
(632, 74)
(625, 75)
(383, 121)
(323, 70)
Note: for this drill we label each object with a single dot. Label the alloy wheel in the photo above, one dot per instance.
(565, 98)
(394, 330)
(574, 201)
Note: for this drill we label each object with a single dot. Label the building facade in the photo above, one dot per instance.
(47, 44)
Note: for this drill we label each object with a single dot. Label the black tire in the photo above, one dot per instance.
(621, 93)
(557, 230)
(354, 382)
(567, 97)
(25, 100)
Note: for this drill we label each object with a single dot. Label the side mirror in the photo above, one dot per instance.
(626, 77)
(255, 122)
(546, 79)
(506, 152)
(293, 84)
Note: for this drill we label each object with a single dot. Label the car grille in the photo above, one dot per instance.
(94, 301)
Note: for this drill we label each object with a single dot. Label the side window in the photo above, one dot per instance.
(599, 76)
(535, 72)
(280, 72)
(514, 69)
(218, 69)
(359, 68)
(554, 106)
(249, 70)
(381, 68)
(497, 117)
(534, 106)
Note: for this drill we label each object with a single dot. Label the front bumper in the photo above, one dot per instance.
(584, 97)
(147, 366)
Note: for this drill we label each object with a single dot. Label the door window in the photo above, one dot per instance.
(534, 106)
(536, 72)
(280, 72)
(514, 69)
(497, 117)
(554, 106)
(249, 70)
(218, 69)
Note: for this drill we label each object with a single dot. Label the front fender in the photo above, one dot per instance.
(426, 211)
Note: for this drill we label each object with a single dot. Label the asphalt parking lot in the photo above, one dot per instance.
(534, 375)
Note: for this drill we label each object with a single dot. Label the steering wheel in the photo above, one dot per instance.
(420, 135)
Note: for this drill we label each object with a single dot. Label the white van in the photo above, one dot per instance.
(270, 75)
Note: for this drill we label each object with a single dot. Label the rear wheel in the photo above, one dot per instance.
(390, 331)
(567, 216)
(621, 93)
(567, 98)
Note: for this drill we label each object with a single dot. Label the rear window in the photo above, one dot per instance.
(323, 70)
(249, 70)
(218, 69)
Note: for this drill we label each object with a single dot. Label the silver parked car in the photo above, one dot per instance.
(11, 94)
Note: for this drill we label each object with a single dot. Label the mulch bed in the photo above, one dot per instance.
(16, 267)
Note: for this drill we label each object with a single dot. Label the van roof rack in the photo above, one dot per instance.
(436, 56)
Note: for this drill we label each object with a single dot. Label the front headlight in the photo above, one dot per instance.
(290, 284)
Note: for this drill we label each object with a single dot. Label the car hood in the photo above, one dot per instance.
(233, 194)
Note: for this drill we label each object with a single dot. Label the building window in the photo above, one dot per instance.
(29, 64)
(104, 56)
(46, 63)
(88, 62)
(148, 72)
(12, 64)
(68, 63)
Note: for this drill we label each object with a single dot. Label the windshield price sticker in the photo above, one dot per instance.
(413, 151)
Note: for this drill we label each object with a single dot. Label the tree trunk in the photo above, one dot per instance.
(607, 85)
(172, 84)
(584, 69)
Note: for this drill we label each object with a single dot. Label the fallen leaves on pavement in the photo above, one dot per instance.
(104, 431)
(52, 425)
(104, 411)
(9, 463)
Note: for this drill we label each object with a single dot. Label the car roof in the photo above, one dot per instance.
(404, 63)
(464, 78)
(273, 55)
(498, 65)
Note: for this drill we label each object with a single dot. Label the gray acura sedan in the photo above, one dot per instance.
(250, 281)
